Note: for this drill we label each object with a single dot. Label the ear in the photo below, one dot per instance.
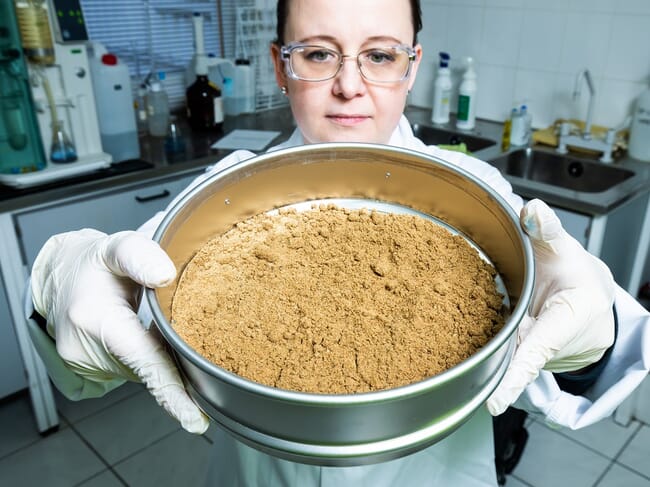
(416, 64)
(278, 65)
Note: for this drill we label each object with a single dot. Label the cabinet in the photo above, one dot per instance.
(618, 238)
(23, 232)
(119, 210)
(13, 377)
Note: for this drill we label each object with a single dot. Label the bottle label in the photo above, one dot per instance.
(463, 107)
(218, 110)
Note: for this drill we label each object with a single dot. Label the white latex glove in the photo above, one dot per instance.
(87, 285)
(571, 323)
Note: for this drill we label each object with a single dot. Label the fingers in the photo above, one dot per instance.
(542, 339)
(134, 255)
(140, 351)
(540, 222)
(544, 228)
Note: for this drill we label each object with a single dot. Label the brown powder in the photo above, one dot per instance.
(337, 301)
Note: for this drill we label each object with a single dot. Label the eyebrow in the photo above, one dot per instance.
(334, 40)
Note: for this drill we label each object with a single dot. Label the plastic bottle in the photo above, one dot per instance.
(230, 105)
(158, 108)
(244, 86)
(639, 143)
(521, 126)
(506, 136)
(115, 114)
(203, 102)
(466, 114)
(442, 91)
(140, 107)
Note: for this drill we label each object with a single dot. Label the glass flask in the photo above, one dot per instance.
(62, 149)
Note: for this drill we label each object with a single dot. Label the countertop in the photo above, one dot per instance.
(155, 164)
(596, 203)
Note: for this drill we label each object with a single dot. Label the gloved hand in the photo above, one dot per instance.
(571, 323)
(87, 285)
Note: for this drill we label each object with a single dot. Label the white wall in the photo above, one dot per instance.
(531, 51)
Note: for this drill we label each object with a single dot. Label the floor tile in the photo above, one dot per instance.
(637, 452)
(17, 424)
(74, 411)
(59, 460)
(178, 459)
(606, 437)
(103, 479)
(126, 427)
(551, 459)
(619, 476)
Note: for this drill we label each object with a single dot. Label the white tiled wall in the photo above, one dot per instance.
(530, 51)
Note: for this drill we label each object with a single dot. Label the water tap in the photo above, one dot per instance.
(584, 73)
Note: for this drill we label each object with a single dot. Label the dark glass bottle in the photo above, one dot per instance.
(204, 105)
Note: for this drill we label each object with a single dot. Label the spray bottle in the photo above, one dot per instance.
(466, 114)
(639, 143)
(442, 91)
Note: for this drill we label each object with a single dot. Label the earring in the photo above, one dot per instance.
(284, 90)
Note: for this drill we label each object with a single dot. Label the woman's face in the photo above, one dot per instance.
(347, 108)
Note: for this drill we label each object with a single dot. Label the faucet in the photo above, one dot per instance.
(586, 134)
(585, 139)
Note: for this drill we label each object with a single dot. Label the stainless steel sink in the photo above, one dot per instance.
(560, 171)
(441, 136)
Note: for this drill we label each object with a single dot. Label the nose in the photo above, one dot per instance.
(349, 83)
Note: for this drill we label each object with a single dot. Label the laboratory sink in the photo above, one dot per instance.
(560, 170)
(440, 136)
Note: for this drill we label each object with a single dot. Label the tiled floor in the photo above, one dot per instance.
(125, 439)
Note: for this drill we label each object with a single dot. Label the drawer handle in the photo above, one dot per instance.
(157, 196)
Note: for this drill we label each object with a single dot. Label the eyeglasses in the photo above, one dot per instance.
(378, 64)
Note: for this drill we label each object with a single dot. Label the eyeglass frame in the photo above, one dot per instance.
(287, 49)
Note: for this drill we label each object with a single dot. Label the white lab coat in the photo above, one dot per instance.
(466, 457)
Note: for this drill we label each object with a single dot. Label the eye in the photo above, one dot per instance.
(319, 54)
(379, 56)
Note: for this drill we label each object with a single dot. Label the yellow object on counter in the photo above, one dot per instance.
(550, 135)
(462, 147)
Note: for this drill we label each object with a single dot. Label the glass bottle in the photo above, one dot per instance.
(204, 103)
(35, 30)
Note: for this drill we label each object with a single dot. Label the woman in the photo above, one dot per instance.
(347, 68)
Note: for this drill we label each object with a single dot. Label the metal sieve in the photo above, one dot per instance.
(348, 429)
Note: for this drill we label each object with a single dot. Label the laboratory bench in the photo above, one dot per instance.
(126, 194)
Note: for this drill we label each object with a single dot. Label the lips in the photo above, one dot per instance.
(348, 119)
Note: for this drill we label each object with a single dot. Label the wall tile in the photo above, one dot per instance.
(564, 105)
(506, 3)
(501, 34)
(537, 90)
(616, 100)
(629, 52)
(542, 39)
(546, 43)
(585, 43)
(545, 4)
(633, 7)
(608, 6)
(496, 88)
(464, 34)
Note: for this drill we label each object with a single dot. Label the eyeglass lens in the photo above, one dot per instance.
(316, 63)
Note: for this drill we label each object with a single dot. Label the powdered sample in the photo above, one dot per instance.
(338, 301)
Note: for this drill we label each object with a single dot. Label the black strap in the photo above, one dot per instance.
(578, 383)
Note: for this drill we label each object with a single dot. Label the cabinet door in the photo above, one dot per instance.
(13, 377)
(125, 210)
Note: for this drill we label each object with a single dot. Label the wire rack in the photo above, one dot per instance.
(255, 31)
